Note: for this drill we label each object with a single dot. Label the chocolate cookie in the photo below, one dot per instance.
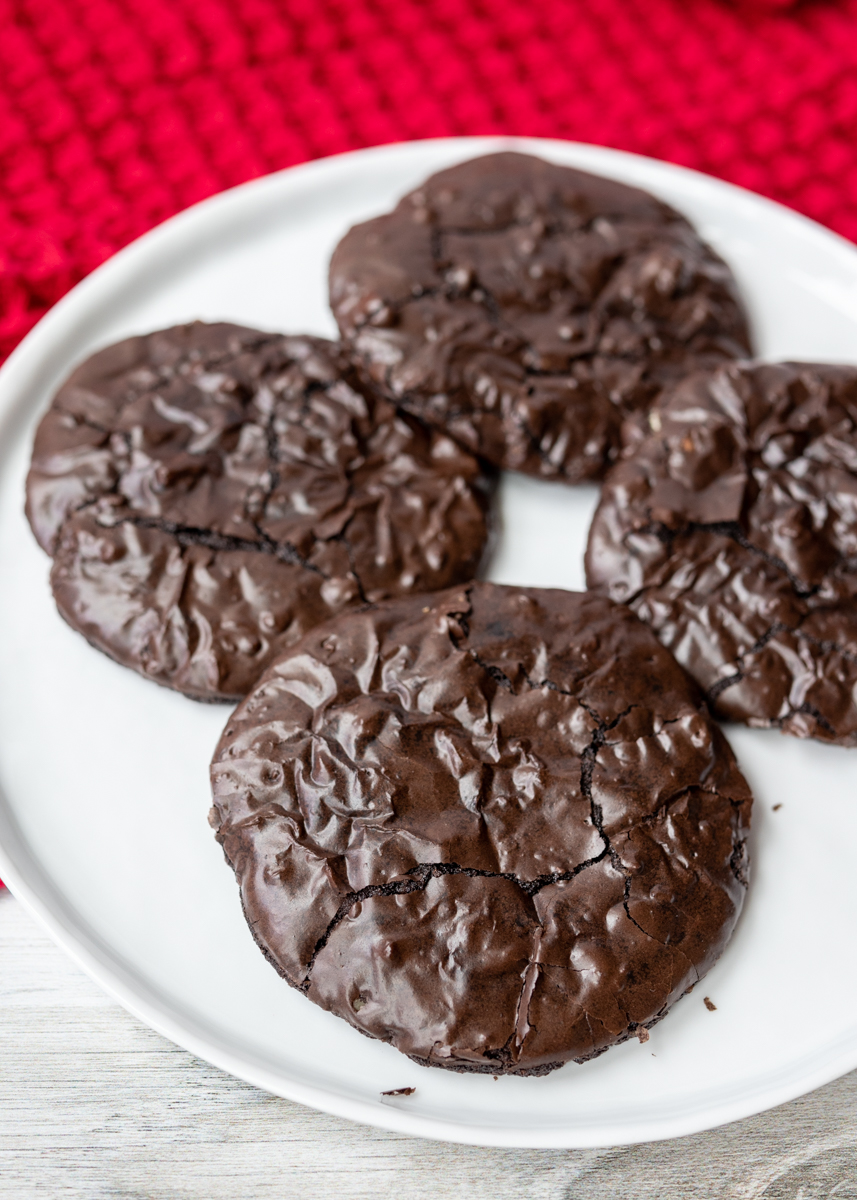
(495, 827)
(209, 493)
(527, 308)
(732, 530)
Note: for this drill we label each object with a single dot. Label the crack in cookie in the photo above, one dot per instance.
(209, 493)
(493, 873)
(732, 530)
(527, 308)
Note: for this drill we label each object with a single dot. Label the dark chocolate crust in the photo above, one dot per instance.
(209, 493)
(527, 308)
(495, 827)
(732, 530)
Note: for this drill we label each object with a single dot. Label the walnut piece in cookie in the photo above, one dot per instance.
(732, 531)
(209, 493)
(528, 308)
(495, 827)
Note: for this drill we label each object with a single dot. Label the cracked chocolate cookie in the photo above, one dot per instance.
(209, 493)
(527, 308)
(732, 530)
(495, 827)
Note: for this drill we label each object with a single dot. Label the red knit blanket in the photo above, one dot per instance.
(114, 114)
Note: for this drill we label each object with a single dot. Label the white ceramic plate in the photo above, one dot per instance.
(104, 776)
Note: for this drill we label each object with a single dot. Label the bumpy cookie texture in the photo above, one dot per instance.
(209, 493)
(527, 308)
(494, 827)
(732, 530)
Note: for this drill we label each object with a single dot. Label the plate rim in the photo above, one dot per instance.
(20, 867)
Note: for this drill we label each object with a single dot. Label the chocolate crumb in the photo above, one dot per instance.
(776, 807)
(709, 1004)
(400, 1092)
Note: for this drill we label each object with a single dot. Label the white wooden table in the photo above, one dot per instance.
(94, 1105)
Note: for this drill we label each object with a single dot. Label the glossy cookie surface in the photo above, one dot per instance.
(209, 492)
(732, 530)
(528, 308)
(495, 827)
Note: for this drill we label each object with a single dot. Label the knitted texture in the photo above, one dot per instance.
(114, 114)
